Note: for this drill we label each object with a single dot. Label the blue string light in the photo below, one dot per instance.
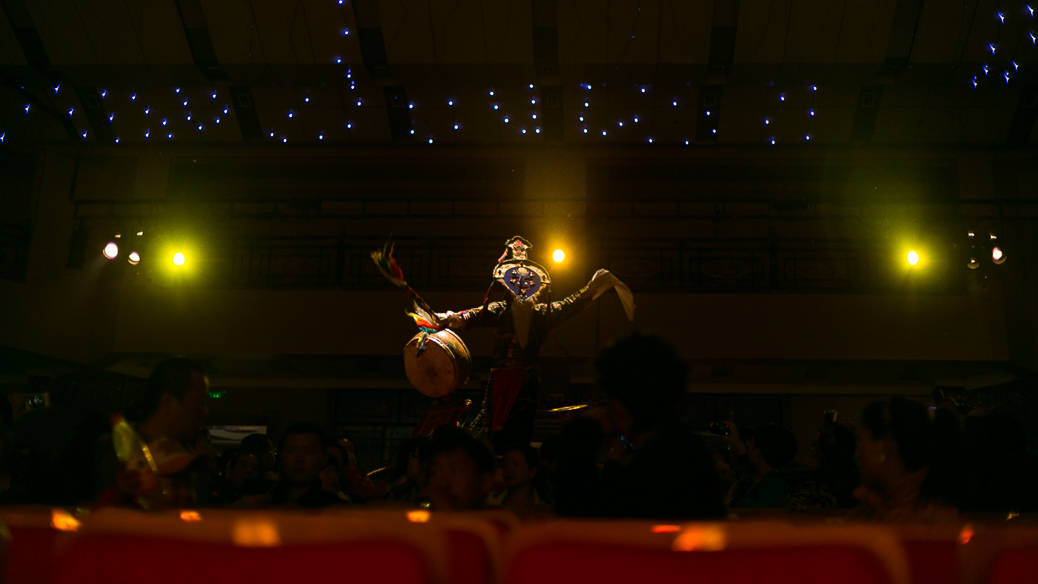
(604, 132)
(104, 93)
(176, 90)
(993, 47)
(71, 111)
(84, 134)
(147, 134)
(57, 88)
(147, 110)
(306, 99)
(635, 119)
(27, 108)
(163, 122)
(537, 130)
(1001, 17)
(349, 125)
(767, 121)
(320, 136)
(133, 98)
(585, 130)
(212, 95)
(117, 139)
(111, 118)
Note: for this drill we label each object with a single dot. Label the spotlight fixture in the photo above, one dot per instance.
(110, 251)
(997, 255)
(134, 258)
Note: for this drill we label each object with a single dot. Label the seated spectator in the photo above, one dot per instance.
(667, 471)
(1002, 474)
(402, 484)
(241, 477)
(520, 470)
(354, 482)
(303, 459)
(906, 462)
(458, 469)
(261, 446)
(769, 451)
(169, 416)
(51, 453)
(576, 478)
(831, 482)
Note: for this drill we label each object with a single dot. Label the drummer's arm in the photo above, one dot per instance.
(460, 321)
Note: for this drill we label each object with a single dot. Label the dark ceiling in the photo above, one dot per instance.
(653, 72)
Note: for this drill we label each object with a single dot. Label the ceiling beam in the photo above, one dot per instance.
(723, 30)
(546, 66)
(200, 43)
(373, 52)
(900, 43)
(28, 37)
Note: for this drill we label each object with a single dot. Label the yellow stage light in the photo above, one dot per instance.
(111, 250)
(179, 259)
(134, 258)
(558, 256)
(913, 258)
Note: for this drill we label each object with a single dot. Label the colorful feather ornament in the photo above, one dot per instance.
(386, 263)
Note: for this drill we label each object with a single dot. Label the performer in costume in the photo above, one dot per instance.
(522, 324)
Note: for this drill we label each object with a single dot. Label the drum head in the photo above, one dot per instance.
(442, 366)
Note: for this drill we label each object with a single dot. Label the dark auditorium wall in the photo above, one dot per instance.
(780, 270)
(733, 254)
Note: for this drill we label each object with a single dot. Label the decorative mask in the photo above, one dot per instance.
(521, 276)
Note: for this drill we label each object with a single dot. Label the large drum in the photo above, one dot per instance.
(442, 367)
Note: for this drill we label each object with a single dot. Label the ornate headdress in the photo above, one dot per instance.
(521, 276)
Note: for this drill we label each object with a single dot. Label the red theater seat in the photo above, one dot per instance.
(120, 546)
(36, 532)
(567, 552)
(933, 552)
(1008, 554)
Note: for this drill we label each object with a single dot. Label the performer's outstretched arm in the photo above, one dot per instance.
(459, 321)
(600, 283)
